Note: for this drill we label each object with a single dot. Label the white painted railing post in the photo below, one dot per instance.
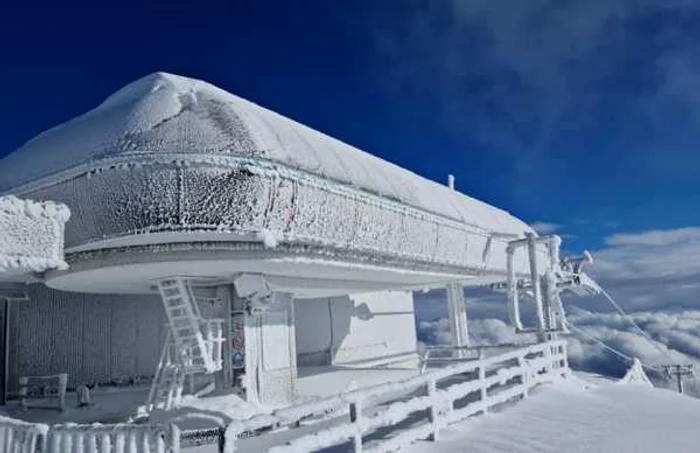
(482, 379)
(549, 364)
(524, 369)
(356, 419)
(433, 410)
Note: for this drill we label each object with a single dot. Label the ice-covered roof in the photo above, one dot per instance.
(164, 113)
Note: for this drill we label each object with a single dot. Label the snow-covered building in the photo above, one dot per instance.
(306, 248)
(31, 242)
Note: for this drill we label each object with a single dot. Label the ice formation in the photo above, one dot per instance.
(171, 154)
(636, 375)
(31, 235)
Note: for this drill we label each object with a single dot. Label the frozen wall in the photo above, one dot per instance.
(298, 209)
(366, 329)
(31, 235)
(94, 338)
(270, 353)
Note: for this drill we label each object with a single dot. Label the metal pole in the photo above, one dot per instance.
(536, 290)
(512, 290)
(5, 351)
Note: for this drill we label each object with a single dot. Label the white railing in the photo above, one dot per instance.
(21, 437)
(441, 394)
(123, 438)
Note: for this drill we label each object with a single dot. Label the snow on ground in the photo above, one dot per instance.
(325, 381)
(109, 405)
(208, 412)
(580, 417)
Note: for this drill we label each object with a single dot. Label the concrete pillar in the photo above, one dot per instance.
(458, 314)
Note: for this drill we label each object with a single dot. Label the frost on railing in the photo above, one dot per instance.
(444, 396)
(125, 438)
(20, 437)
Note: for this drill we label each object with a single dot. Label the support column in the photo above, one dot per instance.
(4, 348)
(458, 314)
(270, 352)
(536, 288)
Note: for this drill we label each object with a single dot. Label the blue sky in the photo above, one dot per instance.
(580, 114)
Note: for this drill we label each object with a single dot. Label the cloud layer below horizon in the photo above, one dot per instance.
(653, 275)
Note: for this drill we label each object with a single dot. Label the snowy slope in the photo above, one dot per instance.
(570, 418)
(162, 114)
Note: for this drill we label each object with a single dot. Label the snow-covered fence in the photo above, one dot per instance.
(213, 438)
(442, 396)
(20, 437)
(17, 436)
(122, 438)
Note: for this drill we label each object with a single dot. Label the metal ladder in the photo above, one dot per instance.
(166, 389)
(186, 351)
(185, 324)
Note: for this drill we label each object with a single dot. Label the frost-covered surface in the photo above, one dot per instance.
(164, 113)
(578, 418)
(168, 153)
(636, 375)
(386, 405)
(208, 412)
(31, 235)
(109, 404)
(95, 338)
(20, 437)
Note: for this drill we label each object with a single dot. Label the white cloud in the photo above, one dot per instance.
(656, 269)
(656, 237)
(653, 275)
(675, 336)
(545, 227)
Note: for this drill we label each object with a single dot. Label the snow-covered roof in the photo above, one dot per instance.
(164, 113)
(31, 236)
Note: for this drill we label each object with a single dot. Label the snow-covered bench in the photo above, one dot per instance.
(43, 391)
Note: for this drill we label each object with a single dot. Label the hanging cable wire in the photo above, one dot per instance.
(631, 320)
(609, 348)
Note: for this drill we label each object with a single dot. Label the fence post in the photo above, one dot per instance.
(565, 357)
(550, 360)
(433, 412)
(482, 379)
(222, 440)
(356, 419)
(525, 375)
(175, 436)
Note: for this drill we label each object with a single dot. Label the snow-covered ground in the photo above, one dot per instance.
(580, 417)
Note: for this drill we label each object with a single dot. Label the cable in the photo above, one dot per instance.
(629, 318)
(609, 348)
